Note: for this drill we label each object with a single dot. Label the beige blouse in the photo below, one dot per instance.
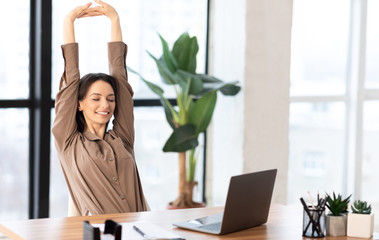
(101, 174)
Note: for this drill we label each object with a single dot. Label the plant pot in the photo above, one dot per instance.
(184, 200)
(360, 225)
(336, 225)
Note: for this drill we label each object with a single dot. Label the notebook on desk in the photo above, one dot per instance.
(247, 205)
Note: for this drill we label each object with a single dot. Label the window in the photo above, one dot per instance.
(319, 47)
(14, 167)
(369, 162)
(334, 60)
(14, 123)
(14, 51)
(318, 86)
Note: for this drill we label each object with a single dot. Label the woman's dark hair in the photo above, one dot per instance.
(84, 84)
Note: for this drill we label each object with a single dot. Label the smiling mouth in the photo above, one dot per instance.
(103, 113)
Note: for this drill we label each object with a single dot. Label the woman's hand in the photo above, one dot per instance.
(103, 9)
(108, 11)
(77, 12)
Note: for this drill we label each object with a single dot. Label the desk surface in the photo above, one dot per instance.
(283, 223)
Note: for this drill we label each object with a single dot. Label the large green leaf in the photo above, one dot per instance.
(201, 112)
(167, 76)
(169, 110)
(167, 56)
(182, 139)
(185, 50)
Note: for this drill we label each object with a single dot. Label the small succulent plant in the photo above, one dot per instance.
(361, 207)
(337, 205)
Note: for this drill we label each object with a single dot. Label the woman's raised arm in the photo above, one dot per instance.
(68, 25)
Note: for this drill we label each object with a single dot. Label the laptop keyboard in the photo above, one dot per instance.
(212, 227)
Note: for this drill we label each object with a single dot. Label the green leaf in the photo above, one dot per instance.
(230, 89)
(182, 139)
(167, 76)
(190, 82)
(209, 79)
(181, 101)
(169, 110)
(361, 207)
(201, 112)
(211, 83)
(167, 56)
(153, 87)
(336, 205)
(185, 50)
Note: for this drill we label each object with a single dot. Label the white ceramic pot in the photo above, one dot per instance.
(360, 225)
(336, 225)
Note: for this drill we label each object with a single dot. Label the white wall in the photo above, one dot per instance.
(250, 42)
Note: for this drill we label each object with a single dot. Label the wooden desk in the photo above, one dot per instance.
(283, 223)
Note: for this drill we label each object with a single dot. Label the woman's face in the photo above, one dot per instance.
(99, 104)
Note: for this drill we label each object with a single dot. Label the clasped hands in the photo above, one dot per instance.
(88, 11)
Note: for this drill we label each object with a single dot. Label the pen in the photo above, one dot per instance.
(140, 231)
(145, 236)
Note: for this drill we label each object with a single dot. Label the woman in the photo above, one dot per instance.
(99, 166)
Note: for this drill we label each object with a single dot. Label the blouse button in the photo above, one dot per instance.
(111, 159)
(114, 178)
(122, 197)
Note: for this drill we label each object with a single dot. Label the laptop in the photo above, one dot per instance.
(247, 205)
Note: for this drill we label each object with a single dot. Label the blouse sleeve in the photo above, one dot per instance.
(123, 123)
(66, 101)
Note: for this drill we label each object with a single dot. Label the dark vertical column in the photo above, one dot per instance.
(206, 72)
(40, 94)
(31, 111)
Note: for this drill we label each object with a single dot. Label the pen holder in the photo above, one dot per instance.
(313, 222)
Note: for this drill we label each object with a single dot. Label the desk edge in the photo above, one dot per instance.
(8, 233)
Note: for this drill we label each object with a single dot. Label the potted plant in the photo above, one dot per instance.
(336, 221)
(196, 96)
(360, 223)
